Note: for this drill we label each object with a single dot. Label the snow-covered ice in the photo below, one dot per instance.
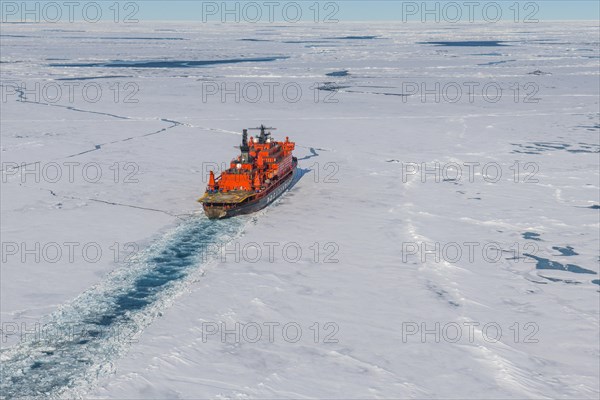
(378, 312)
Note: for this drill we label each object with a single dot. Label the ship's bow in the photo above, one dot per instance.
(215, 212)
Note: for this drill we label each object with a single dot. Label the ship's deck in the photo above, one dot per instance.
(232, 197)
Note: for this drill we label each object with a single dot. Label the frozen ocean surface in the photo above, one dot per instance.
(378, 310)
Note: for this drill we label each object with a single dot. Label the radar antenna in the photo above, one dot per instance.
(263, 135)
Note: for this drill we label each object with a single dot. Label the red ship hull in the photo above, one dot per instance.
(254, 202)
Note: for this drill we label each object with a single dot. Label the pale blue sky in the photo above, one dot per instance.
(306, 10)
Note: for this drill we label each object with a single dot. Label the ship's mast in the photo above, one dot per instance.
(262, 138)
(244, 147)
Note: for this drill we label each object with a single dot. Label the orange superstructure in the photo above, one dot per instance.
(263, 165)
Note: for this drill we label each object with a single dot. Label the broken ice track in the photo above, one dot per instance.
(78, 344)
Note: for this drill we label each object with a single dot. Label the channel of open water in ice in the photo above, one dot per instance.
(77, 345)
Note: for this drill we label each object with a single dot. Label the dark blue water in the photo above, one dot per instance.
(314, 46)
(365, 37)
(331, 87)
(108, 316)
(305, 41)
(92, 77)
(496, 62)
(169, 64)
(338, 73)
(531, 236)
(494, 54)
(63, 30)
(567, 281)
(19, 36)
(566, 251)
(135, 38)
(592, 128)
(469, 43)
(541, 147)
(121, 38)
(544, 263)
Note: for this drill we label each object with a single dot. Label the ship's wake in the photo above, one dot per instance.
(75, 346)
